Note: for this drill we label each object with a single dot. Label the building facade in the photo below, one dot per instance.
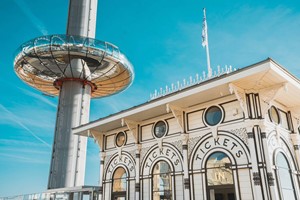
(234, 136)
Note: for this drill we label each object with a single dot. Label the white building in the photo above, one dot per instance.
(234, 136)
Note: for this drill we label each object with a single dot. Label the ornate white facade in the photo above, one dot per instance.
(231, 137)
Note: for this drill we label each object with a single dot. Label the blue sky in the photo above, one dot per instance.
(162, 39)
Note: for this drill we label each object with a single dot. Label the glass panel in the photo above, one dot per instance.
(274, 115)
(161, 181)
(218, 170)
(119, 181)
(160, 129)
(285, 179)
(284, 119)
(120, 140)
(213, 115)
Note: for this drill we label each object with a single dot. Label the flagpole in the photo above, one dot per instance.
(205, 43)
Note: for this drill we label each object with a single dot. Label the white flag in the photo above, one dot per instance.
(204, 31)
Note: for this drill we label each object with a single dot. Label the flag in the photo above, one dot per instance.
(204, 30)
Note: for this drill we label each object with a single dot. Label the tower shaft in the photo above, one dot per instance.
(69, 151)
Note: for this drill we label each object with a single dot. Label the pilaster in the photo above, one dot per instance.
(269, 164)
(102, 158)
(137, 171)
(186, 182)
(257, 182)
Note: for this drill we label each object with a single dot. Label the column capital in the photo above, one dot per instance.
(186, 183)
(270, 179)
(184, 138)
(102, 155)
(256, 178)
(295, 139)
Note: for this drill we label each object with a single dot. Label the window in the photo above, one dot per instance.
(219, 177)
(213, 115)
(161, 181)
(120, 139)
(285, 182)
(274, 115)
(119, 184)
(160, 129)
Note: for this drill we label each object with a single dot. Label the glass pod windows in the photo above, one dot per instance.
(213, 115)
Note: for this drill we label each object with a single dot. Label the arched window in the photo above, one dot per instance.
(219, 177)
(119, 184)
(161, 181)
(284, 178)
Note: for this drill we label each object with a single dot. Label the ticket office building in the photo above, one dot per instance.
(232, 137)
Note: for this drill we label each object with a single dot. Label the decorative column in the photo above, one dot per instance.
(270, 171)
(186, 178)
(102, 158)
(137, 172)
(255, 171)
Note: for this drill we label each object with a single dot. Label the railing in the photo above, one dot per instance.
(189, 82)
(75, 193)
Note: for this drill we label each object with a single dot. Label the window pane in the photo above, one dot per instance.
(285, 179)
(161, 181)
(274, 115)
(119, 181)
(218, 170)
(213, 115)
(160, 129)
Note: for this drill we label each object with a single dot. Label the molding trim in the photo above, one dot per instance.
(137, 187)
(256, 178)
(186, 183)
(250, 135)
(270, 179)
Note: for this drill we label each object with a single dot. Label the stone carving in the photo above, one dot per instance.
(191, 144)
(242, 134)
(132, 153)
(178, 145)
(144, 150)
(106, 160)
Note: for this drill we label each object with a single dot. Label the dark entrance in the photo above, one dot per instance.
(222, 192)
(119, 196)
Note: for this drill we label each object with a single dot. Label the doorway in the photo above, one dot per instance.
(119, 196)
(221, 193)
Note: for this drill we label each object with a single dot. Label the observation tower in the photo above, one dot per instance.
(76, 67)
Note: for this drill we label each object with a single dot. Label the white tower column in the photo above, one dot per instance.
(69, 151)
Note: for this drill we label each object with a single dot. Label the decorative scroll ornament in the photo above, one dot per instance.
(269, 94)
(98, 137)
(177, 113)
(132, 126)
(240, 95)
